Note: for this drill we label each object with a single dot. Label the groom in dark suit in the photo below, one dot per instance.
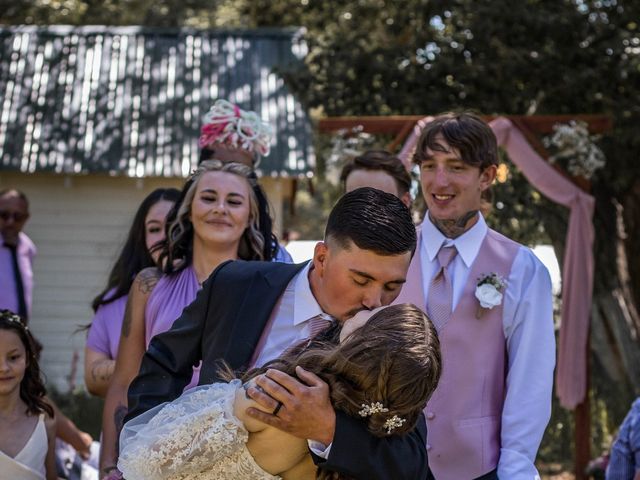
(248, 313)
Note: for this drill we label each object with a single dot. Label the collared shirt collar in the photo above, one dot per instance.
(305, 305)
(468, 244)
(2, 244)
(17, 245)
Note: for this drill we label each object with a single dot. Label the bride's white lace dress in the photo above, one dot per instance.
(196, 436)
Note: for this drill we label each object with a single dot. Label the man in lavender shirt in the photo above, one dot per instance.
(16, 253)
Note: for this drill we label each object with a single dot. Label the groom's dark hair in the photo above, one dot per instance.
(373, 220)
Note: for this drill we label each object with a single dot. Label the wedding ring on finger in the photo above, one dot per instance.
(277, 409)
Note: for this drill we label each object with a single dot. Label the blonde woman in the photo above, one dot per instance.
(215, 220)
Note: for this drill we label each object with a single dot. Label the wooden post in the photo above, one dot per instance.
(582, 439)
(582, 430)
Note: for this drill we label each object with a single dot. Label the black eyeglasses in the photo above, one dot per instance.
(17, 216)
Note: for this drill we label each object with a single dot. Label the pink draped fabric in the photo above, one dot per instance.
(409, 146)
(577, 282)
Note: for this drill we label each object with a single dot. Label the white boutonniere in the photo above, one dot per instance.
(489, 291)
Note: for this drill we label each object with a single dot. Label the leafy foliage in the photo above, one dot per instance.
(538, 56)
(160, 13)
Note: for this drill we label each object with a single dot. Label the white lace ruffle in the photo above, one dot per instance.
(194, 437)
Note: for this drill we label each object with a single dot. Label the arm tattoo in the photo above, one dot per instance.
(456, 227)
(147, 280)
(118, 420)
(102, 370)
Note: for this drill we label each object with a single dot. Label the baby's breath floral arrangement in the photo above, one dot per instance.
(571, 145)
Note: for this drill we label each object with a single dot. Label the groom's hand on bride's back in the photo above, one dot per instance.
(306, 410)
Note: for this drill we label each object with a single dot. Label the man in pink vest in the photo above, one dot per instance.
(490, 299)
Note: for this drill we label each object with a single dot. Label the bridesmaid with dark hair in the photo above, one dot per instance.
(141, 250)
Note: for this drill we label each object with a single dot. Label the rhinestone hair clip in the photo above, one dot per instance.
(393, 423)
(374, 407)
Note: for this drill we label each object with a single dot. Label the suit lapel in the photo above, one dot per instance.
(259, 300)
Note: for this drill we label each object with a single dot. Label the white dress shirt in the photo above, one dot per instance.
(290, 326)
(292, 313)
(528, 329)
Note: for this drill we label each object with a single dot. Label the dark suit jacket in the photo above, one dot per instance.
(226, 321)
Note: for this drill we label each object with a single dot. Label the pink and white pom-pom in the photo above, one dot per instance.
(227, 123)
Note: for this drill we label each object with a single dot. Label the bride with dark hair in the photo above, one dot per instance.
(381, 367)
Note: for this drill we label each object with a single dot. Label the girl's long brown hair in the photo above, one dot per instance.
(32, 390)
(393, 359)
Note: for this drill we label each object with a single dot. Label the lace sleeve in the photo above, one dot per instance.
(182, 437)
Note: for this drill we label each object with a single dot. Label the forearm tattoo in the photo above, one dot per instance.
(118, 420)
(101, 371)
(456, 227)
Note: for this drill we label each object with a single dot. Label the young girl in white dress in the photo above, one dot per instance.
(381, 367)
(27, 442)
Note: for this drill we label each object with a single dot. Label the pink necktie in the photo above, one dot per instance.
(319, 323)
(440, 298)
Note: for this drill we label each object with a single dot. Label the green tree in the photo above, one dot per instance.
(156, 13)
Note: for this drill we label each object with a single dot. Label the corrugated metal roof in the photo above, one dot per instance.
(130, 100)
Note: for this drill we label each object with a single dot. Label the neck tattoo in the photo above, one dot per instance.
(455, 227)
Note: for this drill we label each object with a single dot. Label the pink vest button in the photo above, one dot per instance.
(431, 415)
(428, 447)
